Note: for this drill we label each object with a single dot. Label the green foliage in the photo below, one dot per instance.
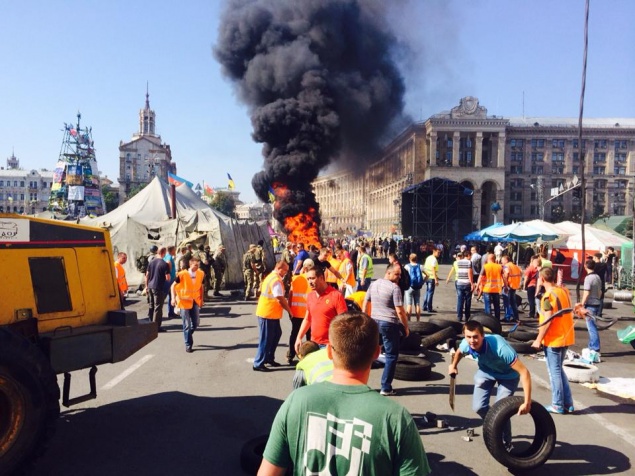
(224, 203)
(135, 190)
(110, 198)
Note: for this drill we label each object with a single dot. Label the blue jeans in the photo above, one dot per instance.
(509, 303)
(495, 299)
(365, 286)
(412, 297)
(427, 302)
(169, 298)
(390, 338)
(594, 336)
(191, 320)
(463, 301)
(483, 387)
(561, 397)
(270, 333)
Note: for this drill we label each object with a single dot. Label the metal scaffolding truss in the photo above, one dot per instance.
(437, 209)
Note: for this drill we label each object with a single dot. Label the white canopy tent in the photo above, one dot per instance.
(144, 220)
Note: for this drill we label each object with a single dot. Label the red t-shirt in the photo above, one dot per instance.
(322, 309)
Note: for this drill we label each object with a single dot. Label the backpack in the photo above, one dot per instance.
(142, 264)
(416, 277)
(404, 280)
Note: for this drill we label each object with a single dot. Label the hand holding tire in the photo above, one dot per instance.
(524, 408)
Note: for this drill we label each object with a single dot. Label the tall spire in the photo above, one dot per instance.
(146, 117)
(147, 96)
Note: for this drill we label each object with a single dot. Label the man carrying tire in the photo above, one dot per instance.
(389, 313)
(343, 426)
(498, 364)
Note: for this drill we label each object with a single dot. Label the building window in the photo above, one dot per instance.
(15, 183)
(557, 169)
(599, 158)
(575, 170)
(517, 156)
(21, 183)
(533, 210)
(620, 158)
(576, 157)
(599, 184)
(575, 143)
(517, 196)
(537, 157)
(516, 169)
(517, 142)
(516, 209)
(449, 142)
(619, 170)
(620, 144)
(557, 157)
(557, 143)
(1, 183)
(600, 143)
(22, 197)
(516, 183)
(621, 183)
(537, 170)
(537, 142)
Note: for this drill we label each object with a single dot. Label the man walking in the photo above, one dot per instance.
(323, 303)
(498, 365)
(187, 292)
(343, 426)
(491, 284)
(556, 336)
(591, 300)
(512, 276)
(220, 265)
(271, 303)
(388, 311)
(365, 271)
(464, 286)
(249, 271)
(171, 261)
(297, 301)
(431, 268)
(157, 275)
(120, 274)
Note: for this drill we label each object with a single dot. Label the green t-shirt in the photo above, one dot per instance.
(328, 428)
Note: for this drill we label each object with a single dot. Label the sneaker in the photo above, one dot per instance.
(188, 350)
(552, 409)
(569, 410)
(273, 363)
(261, 368)
(388, 393)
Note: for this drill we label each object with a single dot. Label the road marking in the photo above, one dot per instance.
(630, 439)
(126, 372)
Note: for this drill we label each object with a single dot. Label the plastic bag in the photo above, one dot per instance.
(627, 335)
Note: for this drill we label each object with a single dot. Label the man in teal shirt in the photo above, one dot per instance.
(344, 426)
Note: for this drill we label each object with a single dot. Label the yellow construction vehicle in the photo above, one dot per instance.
(60, 311)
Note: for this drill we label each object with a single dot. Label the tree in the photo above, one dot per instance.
(110, 198)
(224, 203)
(135, 190)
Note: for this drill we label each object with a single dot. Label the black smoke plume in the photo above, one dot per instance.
(321, 84)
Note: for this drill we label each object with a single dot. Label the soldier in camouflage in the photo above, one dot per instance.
(249, 270)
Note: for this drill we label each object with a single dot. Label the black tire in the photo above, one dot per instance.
(443, 323)
(29, 401)
(521, 347)
(540, 449)
(488, 321)
(524, 335)
(251, 454)
(437, 337)
(412, 369)
(352, 306)
(423, 327)
(410, 343)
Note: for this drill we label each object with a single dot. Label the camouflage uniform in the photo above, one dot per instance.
(248, 272)
(220, 265)
(205, 267)
(259, 263)
(288, 256)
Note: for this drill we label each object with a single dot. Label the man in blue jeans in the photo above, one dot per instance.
(431, 268)
(388, 311)
(592, 301)
(498, 364)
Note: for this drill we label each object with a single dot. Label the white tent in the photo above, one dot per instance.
(144, 220)
(594, 238)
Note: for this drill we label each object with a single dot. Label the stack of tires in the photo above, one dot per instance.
(521, 340)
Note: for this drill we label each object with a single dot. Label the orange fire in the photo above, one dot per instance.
(302, 228)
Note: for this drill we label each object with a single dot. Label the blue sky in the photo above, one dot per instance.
(58, 57)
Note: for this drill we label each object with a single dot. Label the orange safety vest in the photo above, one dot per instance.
(299, 292)
(121, 277)
(493, 278)
(344, 264)
(514, 274)
(560, 332)
(328, 275)
(268, 306)
(189, 290)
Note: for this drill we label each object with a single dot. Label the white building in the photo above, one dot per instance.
(24, 191)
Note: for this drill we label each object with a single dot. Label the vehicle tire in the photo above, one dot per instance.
(443, 323)
(623, 296)
(423, 327)
(437, 337)
(578, 372)
(487, 321)
(29, 401)
(521, 347)
(410, 343)
(412, 369)
(540, 449)
(524, 335)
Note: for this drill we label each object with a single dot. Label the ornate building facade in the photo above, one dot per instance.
(522, 165)
(144, 157)
(24, 191)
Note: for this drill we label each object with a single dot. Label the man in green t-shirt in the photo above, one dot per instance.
(344, 426)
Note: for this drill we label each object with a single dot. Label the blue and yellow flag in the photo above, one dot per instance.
(231, 184)
(272, 195)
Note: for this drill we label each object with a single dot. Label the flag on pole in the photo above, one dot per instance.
(209, 191)
(231, 184)
(272, 195)
(176, 180)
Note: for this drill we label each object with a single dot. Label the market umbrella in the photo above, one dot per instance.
(478, 235)
(520, 232)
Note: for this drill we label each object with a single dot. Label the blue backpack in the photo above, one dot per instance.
(416, 277)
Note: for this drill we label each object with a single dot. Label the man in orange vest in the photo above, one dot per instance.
(271, 303)
(297, 301)
(491, 283)
(120, 273)
(346, 270)
(187, 293)
(512, 276)
(556, 336)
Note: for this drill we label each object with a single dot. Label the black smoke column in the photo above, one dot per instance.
(320, 83)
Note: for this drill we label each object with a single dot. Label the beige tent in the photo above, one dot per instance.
(144, 220)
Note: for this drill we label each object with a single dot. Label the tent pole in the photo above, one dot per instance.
(173, 199)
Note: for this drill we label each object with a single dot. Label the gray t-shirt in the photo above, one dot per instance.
(593, 284)
(385, 296)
